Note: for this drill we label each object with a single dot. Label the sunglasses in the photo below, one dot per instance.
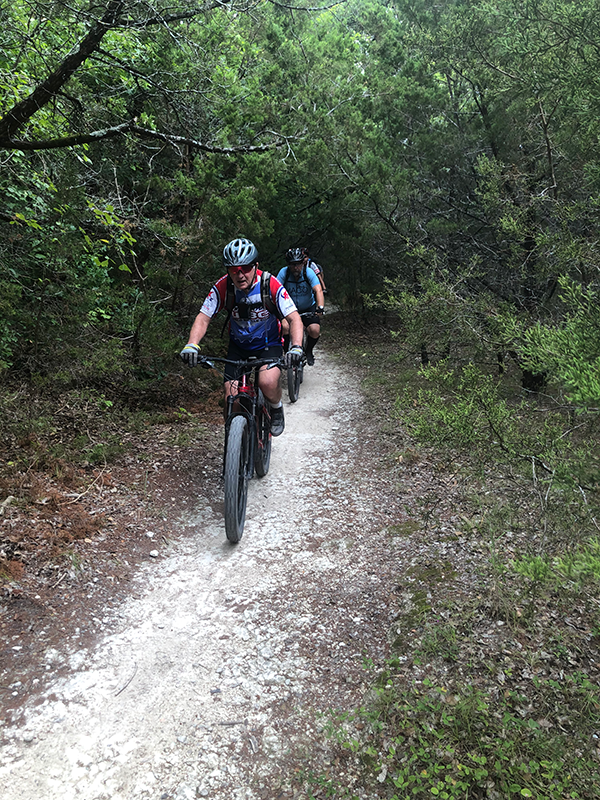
(245, 268)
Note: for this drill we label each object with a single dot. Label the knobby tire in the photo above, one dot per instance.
(236, 478)
(294, 375)
(263, 444)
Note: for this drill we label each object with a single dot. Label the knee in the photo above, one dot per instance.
(269, 379)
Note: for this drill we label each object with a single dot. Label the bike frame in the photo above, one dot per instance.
(245, 401)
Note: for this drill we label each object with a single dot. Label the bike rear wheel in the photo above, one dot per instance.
(236, 478)
(263, 444)
(294, 379)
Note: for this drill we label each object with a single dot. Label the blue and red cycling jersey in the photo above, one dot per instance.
(251, 325)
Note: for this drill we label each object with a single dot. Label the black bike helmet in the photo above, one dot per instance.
(239, 252)
(295, 255)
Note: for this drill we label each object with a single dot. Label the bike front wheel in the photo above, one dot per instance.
(263, 444)
(294, 379)
(236, 478)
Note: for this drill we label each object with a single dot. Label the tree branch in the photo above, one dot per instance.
(42, 94)
(306, 8)
(545, 128)
(166, 19)
(184, 140)
(144, 133)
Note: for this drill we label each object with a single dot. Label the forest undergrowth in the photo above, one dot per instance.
(492, 687)
(80, 470)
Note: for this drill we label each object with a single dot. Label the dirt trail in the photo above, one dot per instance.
(211, 683)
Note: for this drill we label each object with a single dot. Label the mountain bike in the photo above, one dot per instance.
(295, 375)
(247, 437)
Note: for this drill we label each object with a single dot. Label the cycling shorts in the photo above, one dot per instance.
(237, 353)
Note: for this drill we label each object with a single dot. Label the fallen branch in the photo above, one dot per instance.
(79, 496)
(54, 585)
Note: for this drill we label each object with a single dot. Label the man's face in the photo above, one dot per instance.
(296, 267)
(243, 277)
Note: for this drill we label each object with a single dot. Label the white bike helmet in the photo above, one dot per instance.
(239, 252)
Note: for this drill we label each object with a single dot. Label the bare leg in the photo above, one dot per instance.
(268, 380)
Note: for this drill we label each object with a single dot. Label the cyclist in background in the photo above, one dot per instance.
(306, 291)
(256, 315)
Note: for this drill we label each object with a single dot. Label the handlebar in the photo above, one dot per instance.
(243, 364)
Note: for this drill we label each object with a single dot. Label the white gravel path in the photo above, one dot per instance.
(210, 683)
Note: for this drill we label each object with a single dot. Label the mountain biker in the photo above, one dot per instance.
(306, 291)
(254, 328)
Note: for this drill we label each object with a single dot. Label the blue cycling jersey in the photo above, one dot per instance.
(257, 328)
(299, 290)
